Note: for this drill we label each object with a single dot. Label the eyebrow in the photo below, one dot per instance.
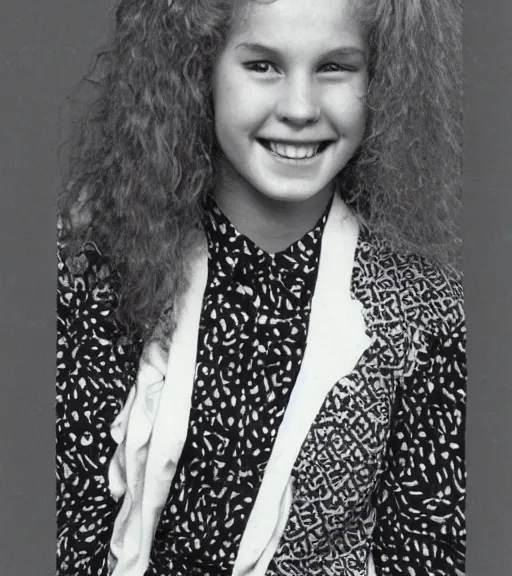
(341, 51)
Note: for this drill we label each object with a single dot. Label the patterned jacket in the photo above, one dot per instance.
(381, 466)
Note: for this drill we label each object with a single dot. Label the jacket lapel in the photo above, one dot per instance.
(336, 340)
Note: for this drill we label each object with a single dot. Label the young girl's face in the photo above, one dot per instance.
(288, 90)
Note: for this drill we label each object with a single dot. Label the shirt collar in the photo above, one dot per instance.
(235, 257)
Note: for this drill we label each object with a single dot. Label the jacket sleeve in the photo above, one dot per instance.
(96, 365)
(420, 504)
(77, 309)
(71, 295)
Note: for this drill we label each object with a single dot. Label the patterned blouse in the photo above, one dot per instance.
(253, 334)
(398, 490)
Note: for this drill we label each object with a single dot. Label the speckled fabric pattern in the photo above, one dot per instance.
(382, 467)
(252, 338)
(96, 366)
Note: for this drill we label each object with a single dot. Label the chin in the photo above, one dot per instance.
(293, 194)
(292, 197)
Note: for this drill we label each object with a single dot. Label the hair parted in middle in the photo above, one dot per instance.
(143, 155)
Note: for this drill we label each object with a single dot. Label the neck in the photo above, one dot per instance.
(273, 225)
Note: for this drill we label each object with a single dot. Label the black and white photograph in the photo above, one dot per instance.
(270, 272)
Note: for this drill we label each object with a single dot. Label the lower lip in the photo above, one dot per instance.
(295, 161)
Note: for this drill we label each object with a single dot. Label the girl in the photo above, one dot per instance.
(261, 362)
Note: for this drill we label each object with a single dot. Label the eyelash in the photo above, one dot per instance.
(342, 67)
(255, 66)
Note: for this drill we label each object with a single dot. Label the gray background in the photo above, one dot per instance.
(45, 48)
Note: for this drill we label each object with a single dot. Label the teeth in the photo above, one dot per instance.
(294, 152)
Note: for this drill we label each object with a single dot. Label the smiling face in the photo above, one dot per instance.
(287, 96)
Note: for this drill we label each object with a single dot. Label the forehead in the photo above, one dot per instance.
(308, 22)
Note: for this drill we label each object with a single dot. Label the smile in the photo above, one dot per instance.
(294, 151)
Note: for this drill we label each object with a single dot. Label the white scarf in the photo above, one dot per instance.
(151, 428)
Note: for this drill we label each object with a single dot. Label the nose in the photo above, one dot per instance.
(298, 103)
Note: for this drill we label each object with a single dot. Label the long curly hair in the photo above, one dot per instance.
(142, 156)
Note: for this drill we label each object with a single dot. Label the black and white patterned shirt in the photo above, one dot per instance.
(252, 336)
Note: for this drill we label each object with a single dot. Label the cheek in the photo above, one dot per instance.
(346, 108)
(231, 106)
(239, 101)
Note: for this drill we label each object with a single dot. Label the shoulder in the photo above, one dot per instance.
(83, 271)
(87, 298)
(430, 297)
(430, 294)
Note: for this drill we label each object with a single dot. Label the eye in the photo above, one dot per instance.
(331, 67)
(260, 66)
